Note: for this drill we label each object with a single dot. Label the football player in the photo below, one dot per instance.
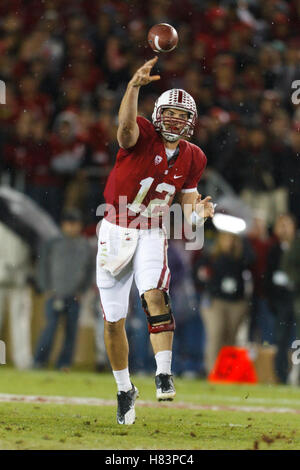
(154, 162)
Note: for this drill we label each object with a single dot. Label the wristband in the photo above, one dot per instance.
(197, 220)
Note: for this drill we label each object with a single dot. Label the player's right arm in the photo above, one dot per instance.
(128, 130)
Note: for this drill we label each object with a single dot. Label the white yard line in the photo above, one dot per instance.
(37, 399)
(254, 400)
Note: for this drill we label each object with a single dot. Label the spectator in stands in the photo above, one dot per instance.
(221, 143)
(65, 271)
(292, 263)
(261, 328)
(290, 170)
(226, 306)
(97, 164)
(256, 173)
(68, 151)
(279, 142)
(17, 152)
(43, 185)
(31, 99)
(282, 279)
(188, 349)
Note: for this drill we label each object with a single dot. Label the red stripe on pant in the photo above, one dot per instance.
(103, 313)
(168, 282)
(159, 285)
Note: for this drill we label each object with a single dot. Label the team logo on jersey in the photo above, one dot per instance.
(157, 159)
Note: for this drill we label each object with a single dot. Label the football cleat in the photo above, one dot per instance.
(165, 390)
(126, 401)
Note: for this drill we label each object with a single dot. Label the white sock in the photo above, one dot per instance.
(123, 380)
(163, 362)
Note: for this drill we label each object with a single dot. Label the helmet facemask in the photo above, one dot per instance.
(174, 128)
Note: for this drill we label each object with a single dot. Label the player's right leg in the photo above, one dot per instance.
(152, 277)
(114, 295)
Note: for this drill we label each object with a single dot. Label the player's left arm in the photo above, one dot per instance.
(195, 209)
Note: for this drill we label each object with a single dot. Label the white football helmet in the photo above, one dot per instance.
(178, 99)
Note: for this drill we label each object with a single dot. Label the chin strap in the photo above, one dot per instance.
(170, 137)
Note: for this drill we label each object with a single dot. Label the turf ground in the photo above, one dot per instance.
(203, 416)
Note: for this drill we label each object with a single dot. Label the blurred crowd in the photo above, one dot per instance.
(66, 66)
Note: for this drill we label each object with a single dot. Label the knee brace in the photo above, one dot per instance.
(154, 319)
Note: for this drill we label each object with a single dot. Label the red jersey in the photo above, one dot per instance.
(142, 183)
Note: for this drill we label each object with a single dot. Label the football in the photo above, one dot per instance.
(163, 37)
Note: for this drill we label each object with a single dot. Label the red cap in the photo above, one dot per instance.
(216, 12)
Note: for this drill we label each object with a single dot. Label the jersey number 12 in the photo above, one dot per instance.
(136, 205)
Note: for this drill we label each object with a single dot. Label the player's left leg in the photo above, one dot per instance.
(161, 327)
(152, 278)
(160, 320)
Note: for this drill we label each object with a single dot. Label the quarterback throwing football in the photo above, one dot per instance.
(154, 162)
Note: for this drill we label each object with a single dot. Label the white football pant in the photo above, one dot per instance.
(129, 254)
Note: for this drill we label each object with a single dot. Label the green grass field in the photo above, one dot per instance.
(245, 417)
